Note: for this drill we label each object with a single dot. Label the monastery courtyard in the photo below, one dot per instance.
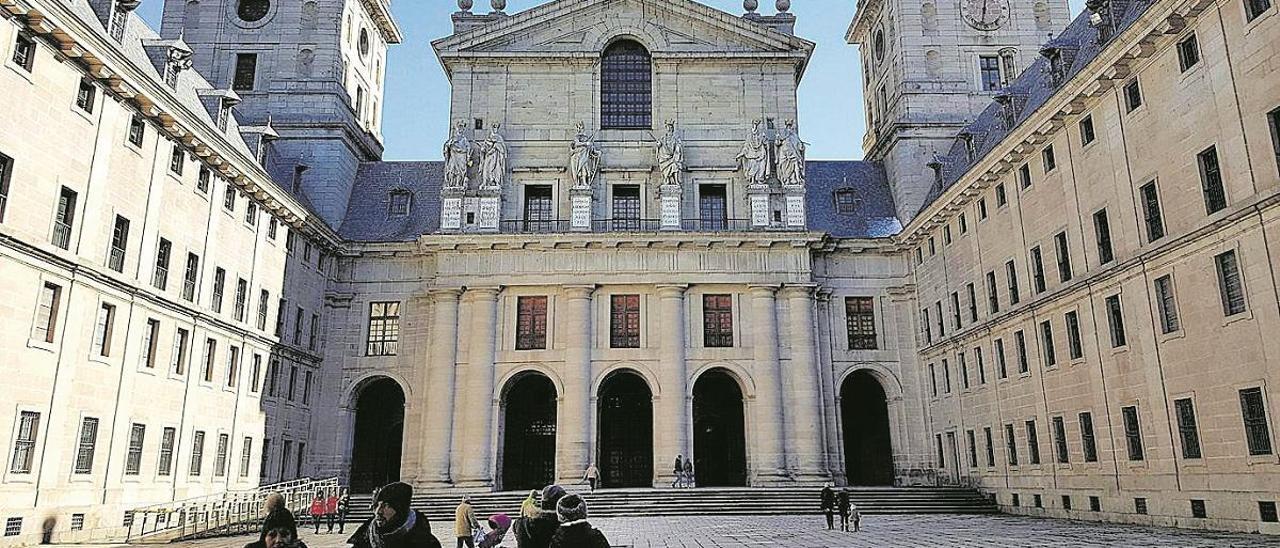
(878, 532)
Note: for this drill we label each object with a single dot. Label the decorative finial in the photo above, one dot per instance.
(750, 5)
(498, 5)
(464, 5)
(783, 5)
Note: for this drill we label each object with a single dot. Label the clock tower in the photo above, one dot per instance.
(930, 67)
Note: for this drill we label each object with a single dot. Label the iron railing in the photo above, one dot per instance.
(220, 514)
(555, 226)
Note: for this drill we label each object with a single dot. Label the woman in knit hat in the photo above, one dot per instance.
(574, 531)
(279, 530)
(394, 523)
(536, 532)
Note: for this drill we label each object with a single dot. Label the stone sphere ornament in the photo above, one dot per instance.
(464, 5)
(498, 5)
(750, 5)
(783, 6)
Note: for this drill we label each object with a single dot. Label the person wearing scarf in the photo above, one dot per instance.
(279, 530)
(536, 532)
(394, 524)
(575, 531)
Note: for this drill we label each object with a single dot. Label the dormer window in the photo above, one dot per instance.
(846, 201)
(399, 204)
(171, 74)
(626, 89)
(1008, 66)
(224, 113)
(118, 19)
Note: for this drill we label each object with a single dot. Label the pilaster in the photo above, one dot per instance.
(475, 418)
(674, 413)
(770, 458)
(574, 432)
(442, 363)
(802, 393)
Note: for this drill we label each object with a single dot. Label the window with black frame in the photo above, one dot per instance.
(626, 92)
(539, 210)
(626, 207)
(713, 211)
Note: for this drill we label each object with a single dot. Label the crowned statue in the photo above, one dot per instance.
(584, 158)
(754, 156)
(670, 153)
(457, 158)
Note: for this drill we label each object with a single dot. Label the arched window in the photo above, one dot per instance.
(626, 92)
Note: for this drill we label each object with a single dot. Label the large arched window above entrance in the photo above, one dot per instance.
(626, 92)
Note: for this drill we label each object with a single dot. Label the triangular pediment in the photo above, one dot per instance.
(563, 27)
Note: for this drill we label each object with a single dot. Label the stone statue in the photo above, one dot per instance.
(493, 163)
(754, 156)
(457, 159)
(670, 152)
(584, 158)
(791, 152)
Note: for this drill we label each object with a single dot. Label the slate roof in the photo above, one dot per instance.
(1079, 44)
(368, 218)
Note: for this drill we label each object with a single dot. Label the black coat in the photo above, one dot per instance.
(263, 544)
(828, 499)
(536, 532)
(581, 535)
(418, 537)
(844, 503)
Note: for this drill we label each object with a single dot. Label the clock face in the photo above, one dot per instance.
(986, 15)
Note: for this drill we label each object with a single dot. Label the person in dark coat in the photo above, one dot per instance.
(279, 530)
(344, 506)
(845, 507)
(678, 472)
(689, 481)
(536, 532)
(394, 524)
(574, 531)
(829, 506)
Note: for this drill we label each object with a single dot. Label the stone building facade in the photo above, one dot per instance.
(625, 256)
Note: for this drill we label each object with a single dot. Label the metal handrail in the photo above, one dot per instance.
(226, 513)
(555, 226)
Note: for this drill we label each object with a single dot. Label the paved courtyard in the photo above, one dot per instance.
(878, 532)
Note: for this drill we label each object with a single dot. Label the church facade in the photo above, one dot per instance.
(1038, 283)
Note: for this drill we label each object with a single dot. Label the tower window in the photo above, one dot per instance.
(626, 94)
(24, 52)
(1132, 95)
(989, 68)
(246, 71)
(1254, 8)
(252, 11)
(1188, 53)
(846, 201)
(363, 43)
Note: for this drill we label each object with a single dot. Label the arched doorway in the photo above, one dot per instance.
(379, 430)
(626, 431)
(528, 433)
(864, 414)
(719, 431)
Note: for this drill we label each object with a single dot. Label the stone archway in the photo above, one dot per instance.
(626, 430)
(864, 417)
(719, 431)
(528, 432)
(379, 433)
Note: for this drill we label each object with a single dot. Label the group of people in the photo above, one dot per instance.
(683, 473)
(330, 509)
(833, 502)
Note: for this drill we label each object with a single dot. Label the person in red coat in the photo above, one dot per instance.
(317, 510)
(331, 510)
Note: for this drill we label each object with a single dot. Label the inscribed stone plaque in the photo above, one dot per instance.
(580, 212)
(451, 214)
(759, 210)
(488, 213)
(795, 211)
(670, 211)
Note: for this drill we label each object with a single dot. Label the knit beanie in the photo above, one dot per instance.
(398, 496)
(550, 496)
(571, 508)
(279, 519)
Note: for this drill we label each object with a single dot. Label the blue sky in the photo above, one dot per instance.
(416, 105)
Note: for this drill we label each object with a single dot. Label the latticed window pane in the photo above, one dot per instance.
(1229, 283)
(133, 461)
(860, 322)
(990, 68)
(626, 92)
(197, 453)
(1060, 440)
(531, 323)
(1133, 433)
(24, 447)
(1088, 442)
(88, 444)
(717, 321)
(1254, 411)
(1187, 428)
(624, 321)
(165, 465)
(384, 329)
(713, 207)
(626, 207)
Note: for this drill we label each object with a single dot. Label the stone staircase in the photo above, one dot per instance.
(439, 506)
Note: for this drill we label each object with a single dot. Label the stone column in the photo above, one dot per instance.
(574, 427)
(474, 420)
(830, 390)
(770, 458)
(802, 389)
(442, 366)
(671, 429)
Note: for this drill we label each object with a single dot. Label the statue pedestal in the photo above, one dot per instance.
(669, 197)
(580, 209)
(759, 200)
(489, 210)
(451, 210)
(795, 208)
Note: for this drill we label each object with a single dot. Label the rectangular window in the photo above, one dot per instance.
(1102, 233)
(87, 445)
(1046, 339)
(1151, 212)
(991, 448)
(982, 208)
(973, 449)
(1188, 52)
(273, 378)
(298, 323)
(1215, 197)
(150, 338)
(6, 176)
(1273, 120)
(1132, 95)
(197, 453)
(250, 212)
(539, 209)
(133, 459)
(1001, 363)
(160, 278)
(1167, 305)
(942, 457)
(86, 96)
(220, 458)
(1011, 274)
(24, 444)
(282, 315)
(104, 330)
(46, 324)
(264, 298)
(860, 323)
(989, 68)
(307, 378)
(210, 350)
(119, 243)
(1033, 443)
(933, 380)
(242, 298)
(1088, 443)
(1187, 431)
(1075, 346)
(233, 366)
(137, 130)
(165, 465)
(1252, 8)
(1254, 411)
(1020, 344)
(189, 277)
(1047, 157)
(1132, 433)
(246, 72)
(973, 302)
(202, 180)
(1115, 319)
(1011, 445)
(246, 452)
(1267, 511)
(255, 380)
(313, 338)
(979, 363)
(531, 323)
(1024, 176)
(1095, 504)
(64, 218)
(624, 321)
(293, 383)
(229, 198)
(1087, 134)
(964, 369)
(946, 235)
(1002, 197)
(926, 325)
(384, 329)
(1064, 257)
(1037, 270)
(1198, 509)
(955, 311)
(993, 294)
(1060, 440)
(963, 223)
(717, 321)
(179, 354)
(219, 282)
(273, 228)
(24, 52)
(626, 207)
(285, 456)
(713, 209)
(1230, 287)
(177, 160)
(946, 376)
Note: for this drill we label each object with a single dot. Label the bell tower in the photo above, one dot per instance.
(312, 70)
(930, 67)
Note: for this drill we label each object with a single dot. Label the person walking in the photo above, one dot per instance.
(575, 531)
(829, 505)
(856, 516)
(529, 508)
(279, 530)
(592, 476)
(331, 511)
(678, 472)
(845, 507)
(394, 524)
(465, 524)
(344, 506)
(689, 481)
(317, 510)
(536, 532)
